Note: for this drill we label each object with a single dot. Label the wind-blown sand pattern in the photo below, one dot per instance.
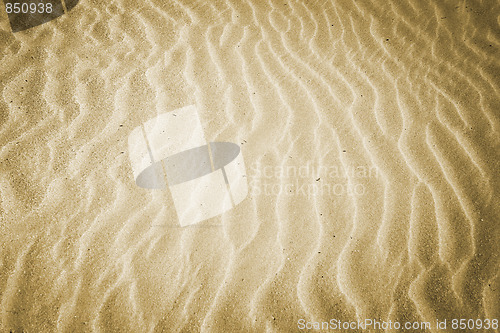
(397, 101)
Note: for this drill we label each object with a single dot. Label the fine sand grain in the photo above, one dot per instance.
(370, 134)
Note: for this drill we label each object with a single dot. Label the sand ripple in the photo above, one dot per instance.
(408, 90)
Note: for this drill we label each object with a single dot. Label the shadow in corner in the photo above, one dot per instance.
(26, 14)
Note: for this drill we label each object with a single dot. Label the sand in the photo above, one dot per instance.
(370, 134)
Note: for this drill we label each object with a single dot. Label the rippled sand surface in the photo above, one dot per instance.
(370, 133)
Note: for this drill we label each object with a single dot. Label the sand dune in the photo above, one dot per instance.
(370, 133)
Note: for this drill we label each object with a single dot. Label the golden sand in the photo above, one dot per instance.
(407, 89)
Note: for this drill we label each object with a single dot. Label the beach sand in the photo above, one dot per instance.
(370, 134)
